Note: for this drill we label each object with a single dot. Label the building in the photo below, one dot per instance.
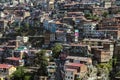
(51, 69)
(96, 42)
(112, 23)
(74, 70)
(21, 52)
(14, 61)
(3, 25)
(6, 69)
(75, 59)
(102, 55)
(79, 50)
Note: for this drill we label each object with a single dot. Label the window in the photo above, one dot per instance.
(68, 77)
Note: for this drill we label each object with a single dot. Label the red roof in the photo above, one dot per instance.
(1, 49)
(70, 69)
(74, 64)
(5, 66)
(13, 58)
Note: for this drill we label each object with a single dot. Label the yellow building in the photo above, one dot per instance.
(6, 69)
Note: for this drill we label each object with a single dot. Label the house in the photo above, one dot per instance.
(3, 25)
(21, 52)
(74, 70)
(117, 2)
(14, 61)
(60, 35)
(99, 10)
(112, 23)
(107, 4)
(109, 34)
(79, 49)
(1, 54)
(15, 43)
(22, 38)
(102, 55)
(51, 69)
(116, 55)
(75, 59)
(96, 42)
(89, 28)
(6, 69)
(51, 4)
(48, 54)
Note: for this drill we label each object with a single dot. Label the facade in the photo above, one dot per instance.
(102, 55)
(110, 23)
(81, 60)
(6, 69)
(15, 61)
(51, 69)
(74, 70)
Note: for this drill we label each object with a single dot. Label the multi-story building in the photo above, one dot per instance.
(110, 23)
(75, 59)
(51, 69)
(74, 71)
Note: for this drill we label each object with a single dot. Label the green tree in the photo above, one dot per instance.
(56, 50)
(91, 16)
(19, 73)
(78, 79)
(27, 77)
(42, 62)
(105, 14)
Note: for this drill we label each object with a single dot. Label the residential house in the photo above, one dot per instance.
(109, 34)
(116, 55)
(74, 70)
(1, 54)
(60, 35)
(79, 50)
(14, 61)
(96, 42)
(89, 28)
(51, 69)
(6, 69)
(117, 2)
(82, 60)
(114, 9)
(102, 55)
(51, 4)
(110, 23)
(107, 4)
(99, 11)
(48, 54)
(21, 52)
(75, 6)
(3, 25)
(22, 38)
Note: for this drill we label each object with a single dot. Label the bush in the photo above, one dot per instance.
(27, 77)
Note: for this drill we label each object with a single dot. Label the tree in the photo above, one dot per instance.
(42, 62)
(92, 17)
(105, 14)
(19, 74)
(78, 79)
(56, 50)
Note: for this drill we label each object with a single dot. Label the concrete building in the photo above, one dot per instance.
(74, 70)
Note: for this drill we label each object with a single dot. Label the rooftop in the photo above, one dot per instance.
(68, 69)
(5, 66)
(13, 58)
(74, 64)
